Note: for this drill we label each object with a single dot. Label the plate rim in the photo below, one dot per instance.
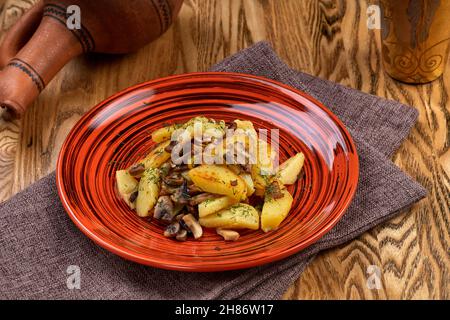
(237, 265)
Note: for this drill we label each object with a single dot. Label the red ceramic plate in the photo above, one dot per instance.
(116, 133)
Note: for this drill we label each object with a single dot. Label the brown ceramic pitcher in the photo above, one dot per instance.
(42, 41)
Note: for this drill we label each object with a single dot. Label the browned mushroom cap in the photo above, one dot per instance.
(180, 167)
(179, 217)
(181, 195)
(136, 170)
(193, 225)
(164, 209)
(182, 235)
(166, 190)
(192, 209)
(164, 169)
(228, 235)
(172, 230)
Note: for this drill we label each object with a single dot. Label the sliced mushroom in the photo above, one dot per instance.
(184, 225)
(173, 180)
(182, 235)
(164, 209)
(136, 170)
(166, 190)
(201, 197)
(164, 169)
(193, 189)
(228, 235)
(177, 208)
(193, 210)
(181, 195)
(193, 225)
(169, 148)
(179, 217)
(172, 230)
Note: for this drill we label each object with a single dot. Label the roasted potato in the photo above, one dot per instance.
(209, 128)
(263, 171)
(157, 156)
(219, 180)
(148, 191)
(275, 210)
(126, 185)
(289, 170)
(213, 205)
(238, 216)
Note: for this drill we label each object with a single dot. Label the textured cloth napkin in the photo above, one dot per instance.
(38, 241)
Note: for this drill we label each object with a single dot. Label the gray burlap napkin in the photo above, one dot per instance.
(38, 242)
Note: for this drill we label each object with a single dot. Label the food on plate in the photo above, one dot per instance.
(228, 180)
(290, 169)
(238, 216)
(127, 186)
(228, 235)
(211, 206)
(148, 191)
(277, 203)
(219, 180)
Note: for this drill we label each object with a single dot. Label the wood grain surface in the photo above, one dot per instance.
(327, 38)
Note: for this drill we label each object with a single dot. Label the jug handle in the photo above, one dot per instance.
(31, 59)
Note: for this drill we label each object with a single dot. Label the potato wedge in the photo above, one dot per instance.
(213, 205)
(164, 133)
(275, 210)
(248, 183)
(126, 185)
(289, 170)
(149, 186)
(219, 180)
(260, 180)
(157, 156)
(238, 216)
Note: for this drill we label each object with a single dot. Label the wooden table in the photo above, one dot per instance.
(327, 38)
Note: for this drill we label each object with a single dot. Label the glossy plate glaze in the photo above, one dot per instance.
(116, 133)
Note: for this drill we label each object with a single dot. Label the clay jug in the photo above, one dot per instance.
(49, 35)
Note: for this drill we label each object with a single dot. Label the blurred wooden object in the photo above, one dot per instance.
(327, 38)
